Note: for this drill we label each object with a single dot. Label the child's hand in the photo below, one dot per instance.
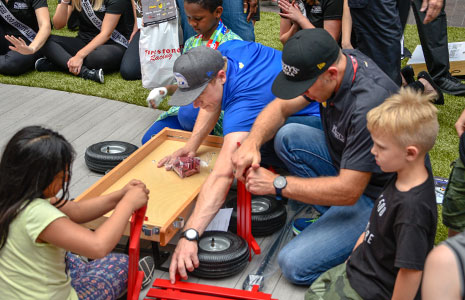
(133, 183)
(137, 196)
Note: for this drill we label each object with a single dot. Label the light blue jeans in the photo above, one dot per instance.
(329, 241)
(233, 17)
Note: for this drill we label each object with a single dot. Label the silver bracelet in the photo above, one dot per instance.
(66, 2)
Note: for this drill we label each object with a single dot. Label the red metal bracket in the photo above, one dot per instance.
(244, 218)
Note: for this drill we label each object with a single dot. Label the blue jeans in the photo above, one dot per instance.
(233, 17)
(329, 241)
(185, 120)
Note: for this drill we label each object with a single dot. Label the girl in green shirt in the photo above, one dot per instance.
(38, 224)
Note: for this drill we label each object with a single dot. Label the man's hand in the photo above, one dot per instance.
(247, 155)
(253, 8)
(184, 257)
(169, 159)
(260, 181)
(432, 8)
(19, 45)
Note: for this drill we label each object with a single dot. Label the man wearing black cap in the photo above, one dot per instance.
(332, 168)
(236, 78)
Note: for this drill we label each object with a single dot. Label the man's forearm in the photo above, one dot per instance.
(204, 124)
(267, 123)
(334, 190)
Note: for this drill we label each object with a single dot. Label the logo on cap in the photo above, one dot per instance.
(321, 65)
(181, 80)
(290, 70)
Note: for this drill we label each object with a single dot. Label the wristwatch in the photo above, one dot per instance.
(191, 235)
(279, 184)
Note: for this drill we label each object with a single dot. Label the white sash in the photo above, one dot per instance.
(115, 35)
(23, 28)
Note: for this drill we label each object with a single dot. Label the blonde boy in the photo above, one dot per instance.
(389, 257)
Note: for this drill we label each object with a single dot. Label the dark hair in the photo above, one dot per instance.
(211, 5)
(30, 162)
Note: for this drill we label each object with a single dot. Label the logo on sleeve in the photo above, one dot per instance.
(181, 80)
(290, 70)
(20, 5)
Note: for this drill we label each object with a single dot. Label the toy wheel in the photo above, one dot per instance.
(268, 215)
(104, 156)
(221, 254)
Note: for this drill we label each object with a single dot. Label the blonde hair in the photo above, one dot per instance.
(409, 117)
(96, 6)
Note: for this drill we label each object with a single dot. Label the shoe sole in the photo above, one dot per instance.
(38, 62)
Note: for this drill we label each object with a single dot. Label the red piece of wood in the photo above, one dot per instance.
(205, 290)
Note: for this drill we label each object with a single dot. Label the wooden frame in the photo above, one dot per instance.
(171, 198)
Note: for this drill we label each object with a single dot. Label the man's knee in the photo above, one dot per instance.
(291, 267)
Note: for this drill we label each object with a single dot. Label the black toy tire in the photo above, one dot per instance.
(99, 161)
(217, 262)
(265, 221)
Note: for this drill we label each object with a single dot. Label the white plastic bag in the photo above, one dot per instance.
(158, 49)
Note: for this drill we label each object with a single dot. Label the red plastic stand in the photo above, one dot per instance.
(244, 218)
(163, 289)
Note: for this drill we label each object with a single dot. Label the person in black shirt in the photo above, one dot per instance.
(19, 50)
(389, 257)
(104, 30)
(332, 169)
(304, 14)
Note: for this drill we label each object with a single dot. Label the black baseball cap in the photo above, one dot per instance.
(193, 71)
(306, 55)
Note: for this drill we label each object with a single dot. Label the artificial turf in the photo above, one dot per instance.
(267, 33)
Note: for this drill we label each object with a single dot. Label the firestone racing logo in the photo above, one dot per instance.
(161, 54)
(181, 80)
(290, 70)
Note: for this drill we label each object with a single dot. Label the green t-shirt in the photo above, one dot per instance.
(31, 270)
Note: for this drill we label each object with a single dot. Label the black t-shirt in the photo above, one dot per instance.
(87, 30)
(326, 10)
(400, 234)
(23, 11)
(344, 118)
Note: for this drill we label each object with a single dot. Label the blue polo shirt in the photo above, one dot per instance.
(251, 71)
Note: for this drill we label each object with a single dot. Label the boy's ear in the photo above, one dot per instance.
(412, 153)
(218, 11)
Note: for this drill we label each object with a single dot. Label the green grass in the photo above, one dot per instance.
(267, 33)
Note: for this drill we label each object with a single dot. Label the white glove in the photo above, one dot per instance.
(156, 96)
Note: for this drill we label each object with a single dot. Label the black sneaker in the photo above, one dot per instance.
(147, 265)
(45, 65)
(450, 85)
(95, 75)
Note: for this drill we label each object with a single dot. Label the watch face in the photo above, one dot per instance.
(191, 234)
(280, 182)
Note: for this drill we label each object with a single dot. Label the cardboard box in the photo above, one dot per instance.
(456, 58)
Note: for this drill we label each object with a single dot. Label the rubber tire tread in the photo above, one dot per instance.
(214, 272)
(100, 162)
(236, 250)
(263, 223)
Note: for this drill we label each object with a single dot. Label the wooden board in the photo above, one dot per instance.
(171, 197)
